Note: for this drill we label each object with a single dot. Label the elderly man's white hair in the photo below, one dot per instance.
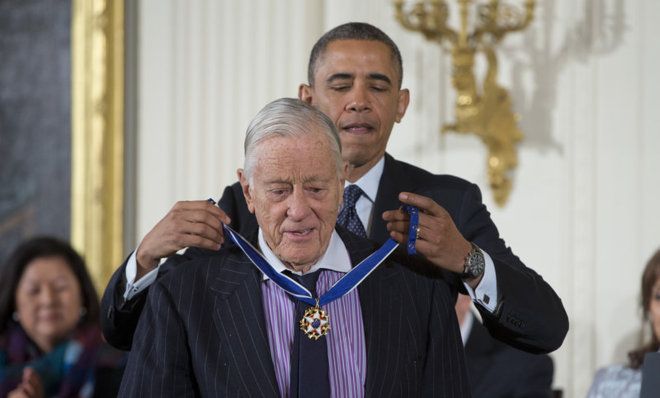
(289, 117)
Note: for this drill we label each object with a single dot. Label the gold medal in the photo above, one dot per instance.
(315, 322)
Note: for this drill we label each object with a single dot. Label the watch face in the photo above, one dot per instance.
(474, 264)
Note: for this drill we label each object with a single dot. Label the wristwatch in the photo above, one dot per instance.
(474, 263)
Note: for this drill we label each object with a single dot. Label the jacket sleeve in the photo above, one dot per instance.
(529, 315)
(159, 364)
(119, 317)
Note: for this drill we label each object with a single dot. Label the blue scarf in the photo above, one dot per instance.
(66, 371)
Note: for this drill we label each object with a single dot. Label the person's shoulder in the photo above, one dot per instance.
(236, 191)
(616, 381)
(201, 268)
(423, 177)
(232, 196)
(618, 371)
(236, 187)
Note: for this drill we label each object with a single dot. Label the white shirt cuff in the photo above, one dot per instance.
(486, 292)
(133, 287)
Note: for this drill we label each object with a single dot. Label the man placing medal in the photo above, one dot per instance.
(297, 307)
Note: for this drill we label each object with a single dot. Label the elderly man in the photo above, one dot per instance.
(355, 76)
(238, 334)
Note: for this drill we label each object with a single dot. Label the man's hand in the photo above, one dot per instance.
(30, 387)
(439, 241)
(189, 223)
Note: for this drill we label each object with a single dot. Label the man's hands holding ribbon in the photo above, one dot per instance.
(189, 223)
(438, 239)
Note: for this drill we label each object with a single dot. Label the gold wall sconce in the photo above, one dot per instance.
(484, 111)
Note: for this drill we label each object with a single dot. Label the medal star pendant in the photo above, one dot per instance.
(315, 322)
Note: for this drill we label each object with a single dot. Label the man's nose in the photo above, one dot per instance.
(359, 99)
(299, 207)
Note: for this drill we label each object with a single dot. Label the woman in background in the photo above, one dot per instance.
(625, 381)
(50, 340)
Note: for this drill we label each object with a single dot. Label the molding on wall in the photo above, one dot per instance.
(98, 134)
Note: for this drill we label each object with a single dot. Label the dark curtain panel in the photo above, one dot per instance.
(35, 120)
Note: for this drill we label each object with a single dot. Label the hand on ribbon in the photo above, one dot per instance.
(189, 223)
(437, 238)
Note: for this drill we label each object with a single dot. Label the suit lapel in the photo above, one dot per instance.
(239, 320)
(378, 311)
(392, 182)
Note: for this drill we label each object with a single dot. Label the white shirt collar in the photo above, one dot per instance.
(335, 258)
(369, 182)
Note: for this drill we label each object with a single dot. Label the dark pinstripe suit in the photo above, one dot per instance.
(499, 371)
(203, 333)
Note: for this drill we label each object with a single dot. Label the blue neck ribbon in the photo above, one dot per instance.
(344, 285)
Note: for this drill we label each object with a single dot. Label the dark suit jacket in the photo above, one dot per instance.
(499, 371)
(214, 342)
(530, 315)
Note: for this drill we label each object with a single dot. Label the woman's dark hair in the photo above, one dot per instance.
(40, 247)
(649, 278)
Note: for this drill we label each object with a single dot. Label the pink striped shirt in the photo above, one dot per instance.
(346, 344)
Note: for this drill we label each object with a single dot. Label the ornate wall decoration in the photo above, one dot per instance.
(485, 111)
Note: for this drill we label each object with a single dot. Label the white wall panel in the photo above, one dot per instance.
(205, 68)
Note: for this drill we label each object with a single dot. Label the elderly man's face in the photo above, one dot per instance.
(356, 84)
(295, 194)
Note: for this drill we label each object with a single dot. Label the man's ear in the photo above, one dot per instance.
(402, 105)
(305, 93)
(245, 186)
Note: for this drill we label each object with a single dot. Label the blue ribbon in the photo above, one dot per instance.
(344, 285)
(412, 228)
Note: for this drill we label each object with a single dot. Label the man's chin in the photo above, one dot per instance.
(300, 260)
(357, 155)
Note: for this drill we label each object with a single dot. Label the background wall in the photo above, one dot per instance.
(35, 121)
(584, 211)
